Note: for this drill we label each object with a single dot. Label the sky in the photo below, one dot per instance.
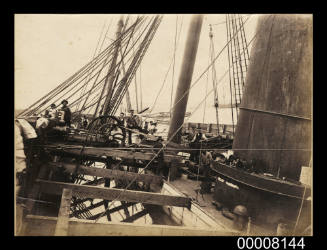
(49, 48)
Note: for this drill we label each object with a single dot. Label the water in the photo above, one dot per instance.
(225, 116)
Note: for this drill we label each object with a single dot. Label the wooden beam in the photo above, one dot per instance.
(136, 216)
(44, 226)
(109, 173)
(113, 193)
(63, 217)
(111, 152)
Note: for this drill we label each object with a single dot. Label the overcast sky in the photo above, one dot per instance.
(50, 48)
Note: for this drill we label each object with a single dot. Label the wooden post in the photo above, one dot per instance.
(224, 129)
(35, 189)
(209, 127)
(63, 217)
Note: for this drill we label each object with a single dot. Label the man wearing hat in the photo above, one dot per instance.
(121, 123)
(68, 114)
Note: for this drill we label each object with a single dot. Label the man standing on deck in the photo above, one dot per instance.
(206, 159)
(146, 127)
(85, 122)
(132, 123)
(152, 128)
(121, 123)
(67, 114)
(161, 168)
(196, 144)
(53, 111)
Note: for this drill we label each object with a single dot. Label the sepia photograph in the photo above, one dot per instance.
(163, 124)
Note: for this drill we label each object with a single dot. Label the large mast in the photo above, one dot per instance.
(111, 76)
(185, 78)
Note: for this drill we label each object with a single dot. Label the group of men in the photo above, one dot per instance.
(133, 121)
(55, 116)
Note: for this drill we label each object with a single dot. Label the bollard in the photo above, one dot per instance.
(241, 219)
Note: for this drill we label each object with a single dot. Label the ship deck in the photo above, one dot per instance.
(190, 189)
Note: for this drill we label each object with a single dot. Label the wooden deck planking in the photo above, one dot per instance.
(188, 187)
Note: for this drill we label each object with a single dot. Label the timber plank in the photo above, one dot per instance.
(113, 193)
(44, 226)
(63, 217)
(100, 151)
(109, 173)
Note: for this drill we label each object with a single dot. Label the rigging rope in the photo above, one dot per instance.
(75, 77)
(135, 84)
(155, 101)
(123, 85)
(172, 80)
(140, 81)
(113, 96)
(234, 18)
(104, 38)
(92, 78)
(230, 79)
(62, 87)
(94, 53)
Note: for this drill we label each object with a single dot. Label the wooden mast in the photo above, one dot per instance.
(185, 78)
(128, 99)
(111, 76)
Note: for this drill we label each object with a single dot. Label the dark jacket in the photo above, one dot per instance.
(132, 121)
(68, 114)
